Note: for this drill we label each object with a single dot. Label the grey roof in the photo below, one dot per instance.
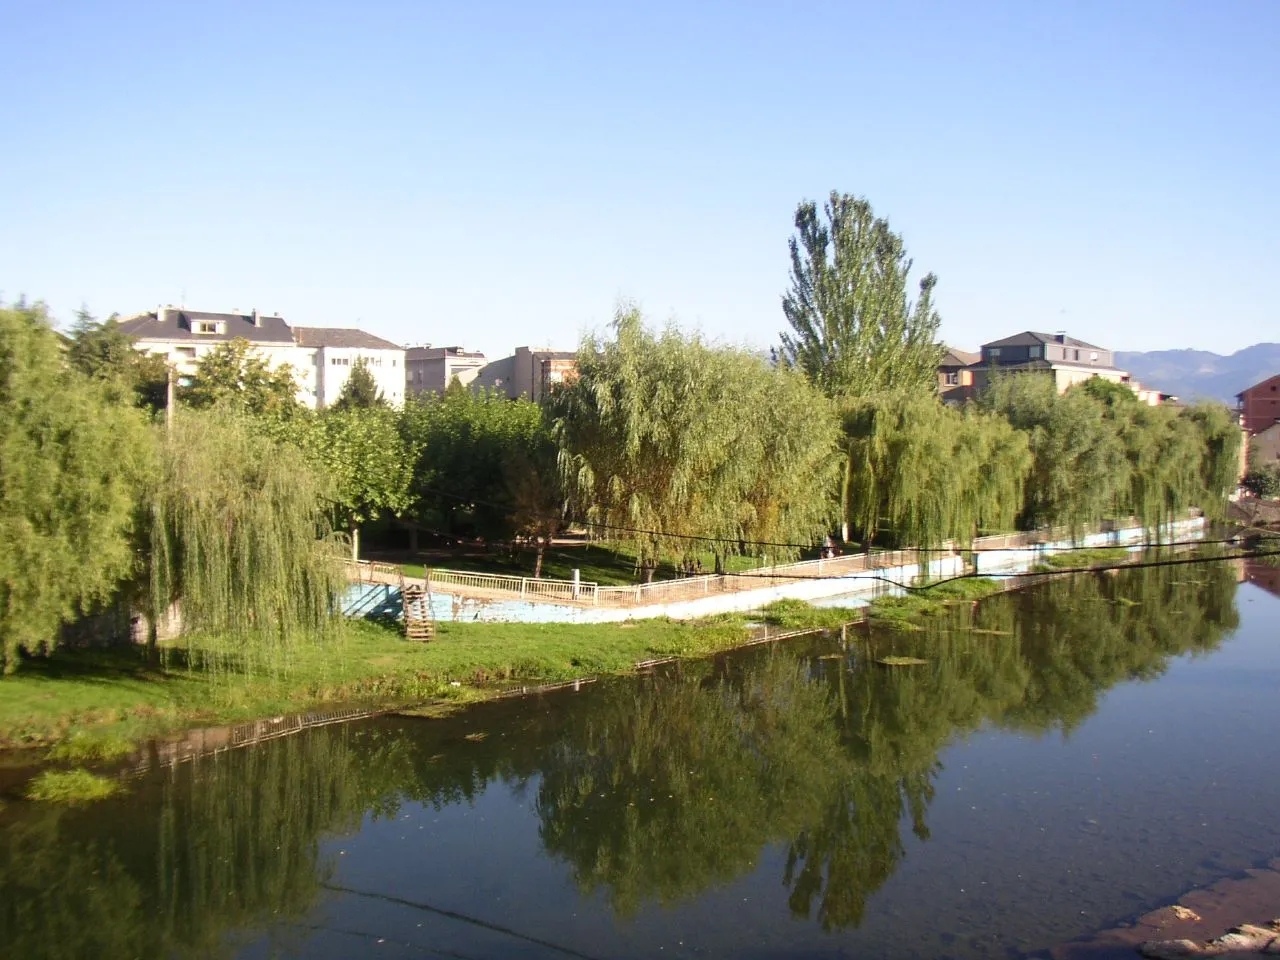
(959, 358)
(1030, 338)
(341, 337)
(176, 325)
(437, 353)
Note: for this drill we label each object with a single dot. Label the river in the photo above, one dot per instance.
(1068, 756)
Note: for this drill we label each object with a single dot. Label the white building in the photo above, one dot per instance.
(321, 357)
(331, 353)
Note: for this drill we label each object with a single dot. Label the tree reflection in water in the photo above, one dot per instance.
(650, 790)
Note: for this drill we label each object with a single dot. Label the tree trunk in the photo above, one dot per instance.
(413, 539)
(845, 486)
(719, 565)
(355, 541)
(537, 563)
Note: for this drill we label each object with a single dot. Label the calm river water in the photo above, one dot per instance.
(1068, 757)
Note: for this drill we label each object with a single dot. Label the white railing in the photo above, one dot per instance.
(365, 571)
(582, 591)
(666, 591)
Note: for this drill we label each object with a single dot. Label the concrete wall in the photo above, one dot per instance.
(333, 366)
(852, 590)
(1021, 560)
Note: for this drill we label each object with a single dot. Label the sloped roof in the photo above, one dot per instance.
(959, 358)
(347, 337)
(1030, 338)
(1260, 383)
(176, 325)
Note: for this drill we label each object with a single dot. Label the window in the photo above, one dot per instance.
(187, 352)
(953, 378)
(1034, 352)
(204, 326)
(1093, 357)
(993, 353)
(1077, 355)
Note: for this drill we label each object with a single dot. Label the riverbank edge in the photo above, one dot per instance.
(99, 737)
(103, 730)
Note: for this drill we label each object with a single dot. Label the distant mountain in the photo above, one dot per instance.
(1193, 374)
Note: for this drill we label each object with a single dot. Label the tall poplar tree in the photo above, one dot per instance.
(854, 331)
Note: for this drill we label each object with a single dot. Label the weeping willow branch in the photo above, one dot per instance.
(238, 537)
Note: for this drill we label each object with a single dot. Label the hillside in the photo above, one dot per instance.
(1198, 373)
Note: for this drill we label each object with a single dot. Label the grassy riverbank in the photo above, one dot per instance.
(93, 704)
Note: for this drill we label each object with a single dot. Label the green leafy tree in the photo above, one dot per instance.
(665, 437)
(534, 489)
(1080, 470)
(238, 536)
(72, 464)
(923, 472)
(1221, 439)
(1262, 482)
(853, 330)
(233, 374)
(478, 464)
(365, 456)
(104, 352)
(360, 392)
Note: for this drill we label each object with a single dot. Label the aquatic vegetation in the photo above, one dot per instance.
(931, 601)
(70, 786)
(799, 615)
(81, 746)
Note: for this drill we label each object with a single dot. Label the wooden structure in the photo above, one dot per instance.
(415, 598)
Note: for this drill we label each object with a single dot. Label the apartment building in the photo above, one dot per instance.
(321, 358)
(432, 369)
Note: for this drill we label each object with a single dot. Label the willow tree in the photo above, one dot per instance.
(239, 536)
(1221, 440)
(72, 463)
(666, 439)
(1081, 472)
(854, 331)
(923, 472)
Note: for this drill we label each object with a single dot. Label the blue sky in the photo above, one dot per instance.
(494, 175)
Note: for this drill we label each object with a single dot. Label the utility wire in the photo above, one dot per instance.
(812, 546)
(921, 588)
(464, 917)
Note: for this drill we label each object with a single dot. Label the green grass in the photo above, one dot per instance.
(1080, 559)
(931, 602)
(798, 615)
(93, 705)
(70, 786)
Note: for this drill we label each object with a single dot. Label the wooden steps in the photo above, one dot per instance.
(418, 623)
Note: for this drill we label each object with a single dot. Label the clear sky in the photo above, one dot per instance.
(493, 175)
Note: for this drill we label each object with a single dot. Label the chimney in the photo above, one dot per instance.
(257, 321)
(160, 314)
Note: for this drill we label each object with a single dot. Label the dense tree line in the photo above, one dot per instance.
(673, 444)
